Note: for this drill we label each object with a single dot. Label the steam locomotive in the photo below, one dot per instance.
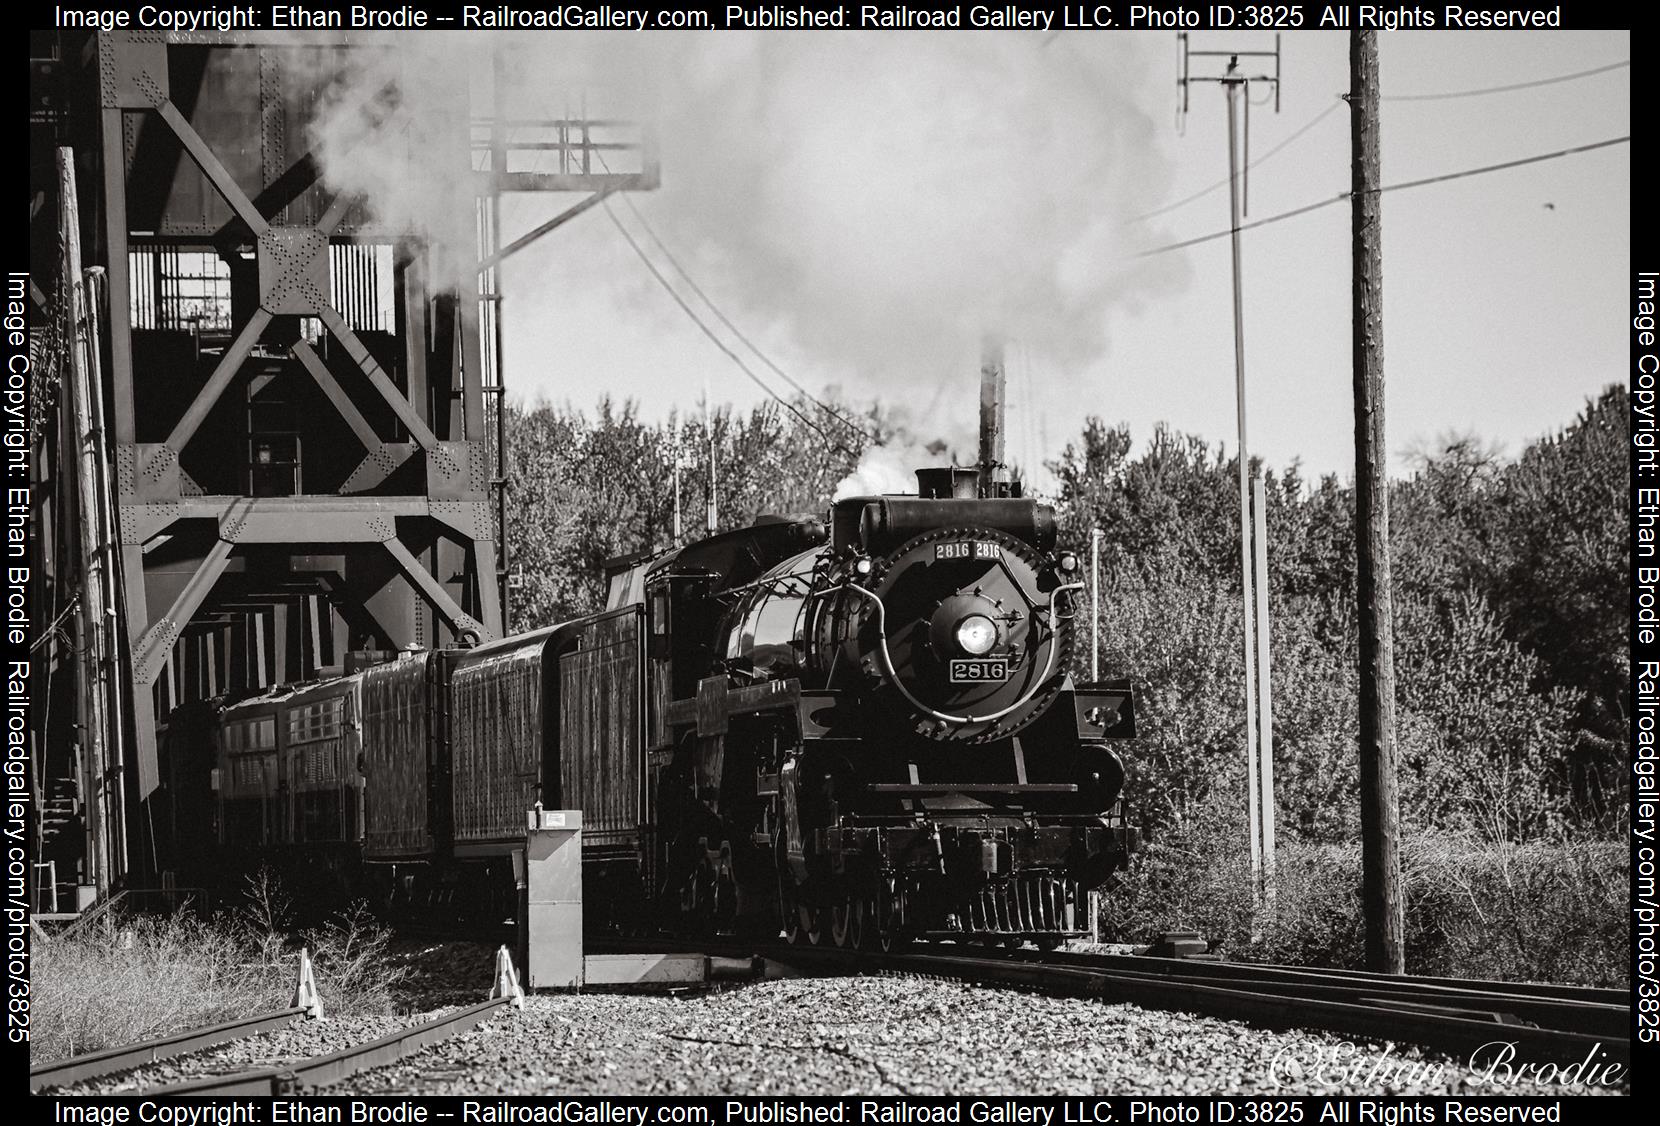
(855, 732)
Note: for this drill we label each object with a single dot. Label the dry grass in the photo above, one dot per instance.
(1537, 911)
(144, 976)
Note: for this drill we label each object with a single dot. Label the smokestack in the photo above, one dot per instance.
(992, 472)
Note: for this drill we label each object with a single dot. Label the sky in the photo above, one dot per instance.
(865, 208)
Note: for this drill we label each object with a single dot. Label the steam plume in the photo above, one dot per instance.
(880, 201)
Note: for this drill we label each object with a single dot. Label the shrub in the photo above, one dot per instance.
(137, 977)
(142, 977)
(1538, 911)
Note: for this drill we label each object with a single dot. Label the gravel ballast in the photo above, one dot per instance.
(907, 1036)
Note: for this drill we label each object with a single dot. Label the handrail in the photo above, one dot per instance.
(87, 917)
(893, 677)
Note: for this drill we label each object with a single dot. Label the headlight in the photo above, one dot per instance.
(862, 566)
(976, 634)
(1067, 563)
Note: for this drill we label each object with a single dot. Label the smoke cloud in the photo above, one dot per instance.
(881, 202)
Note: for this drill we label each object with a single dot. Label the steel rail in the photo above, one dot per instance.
(320, 1071)
(1400, 1009)
(1566, 1015)
(1542, 990)
(1457, 1028)
(128, 1056)
(1570, 1008)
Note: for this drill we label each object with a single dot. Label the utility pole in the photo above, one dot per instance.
(1234, 84)
(1254, 620)
(1379, 814)
(490, 304)
(1265, 697)
(115, 638)
(709, 427)
(674, 439)
(92, 631)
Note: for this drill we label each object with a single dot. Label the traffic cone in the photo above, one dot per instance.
(305, 992)
(507, 980)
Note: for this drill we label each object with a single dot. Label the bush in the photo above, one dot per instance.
(138, 977)
(1540, 911)
(143, 977)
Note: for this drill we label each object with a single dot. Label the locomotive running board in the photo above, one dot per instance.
(716, 701)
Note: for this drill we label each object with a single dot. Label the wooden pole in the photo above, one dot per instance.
(90, 667)
(1379, 815)
(674, 442)
(115, 636)
(713, 520)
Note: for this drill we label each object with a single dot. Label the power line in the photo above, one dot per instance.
(718, 342)
(1394, 98)
(1506, 89)
(725, 320)
(735, 330)
(690, 312)
(1304, 210)
(1222, 183)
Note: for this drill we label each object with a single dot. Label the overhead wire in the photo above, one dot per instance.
(734, 329)
(1339, 198)
(1258, 162)
(724, 319)
(639, 252)
(692, 313)
(1551, 81)
(1329, 110)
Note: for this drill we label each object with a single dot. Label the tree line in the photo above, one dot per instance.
(1510, 575)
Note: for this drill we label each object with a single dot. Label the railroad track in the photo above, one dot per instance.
(1545, 1022)
(1570, 1008)
(94, 1065)
(320, 1071)
(316, 1071)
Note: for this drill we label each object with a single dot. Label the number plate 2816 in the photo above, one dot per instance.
(976, 549)
(978, 672)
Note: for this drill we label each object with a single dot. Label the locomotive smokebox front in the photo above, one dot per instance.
(949, 610)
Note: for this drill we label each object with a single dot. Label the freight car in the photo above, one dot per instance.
(856, 731)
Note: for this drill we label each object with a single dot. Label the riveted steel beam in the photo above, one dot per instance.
(379, 464)
(212, 168)
(336, 394)
(434, 592)
(336, 324)
(222, 375)
(255, 521)
(553, 224)
(151, 651)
